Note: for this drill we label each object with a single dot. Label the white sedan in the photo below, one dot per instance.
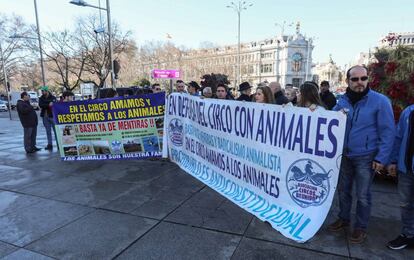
(3, 106)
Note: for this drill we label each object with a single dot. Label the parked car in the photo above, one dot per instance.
(3, 106)
(35, 103)
(34, 99)
(5, 101)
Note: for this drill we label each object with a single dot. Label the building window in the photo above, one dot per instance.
(296, 82)
(266, 68)
(251, 69)
(267, 55)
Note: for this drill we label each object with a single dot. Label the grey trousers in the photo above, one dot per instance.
(30, 138)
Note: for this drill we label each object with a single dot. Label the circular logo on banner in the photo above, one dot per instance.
(175, 132)
(307, 183)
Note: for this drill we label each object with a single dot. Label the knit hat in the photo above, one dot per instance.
(44, 88)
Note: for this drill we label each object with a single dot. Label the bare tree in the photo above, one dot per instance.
(13, 48)
(95, 45)
(160, 55)
(65, 58)
(29, 74)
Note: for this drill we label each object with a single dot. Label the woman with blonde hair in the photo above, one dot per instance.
(264, 95)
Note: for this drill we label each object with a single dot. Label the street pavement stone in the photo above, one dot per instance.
(173, 241)
(380, 231)
(150, 209)
(18, 178)
(24, 254)
(261, 250)
(208, 209)
(96, 194)
(26, 225)
(6, 249)
(99, 235)
(54, 186)
(323, 241)
(12, 201)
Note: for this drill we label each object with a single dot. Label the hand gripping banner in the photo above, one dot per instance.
(279, 163)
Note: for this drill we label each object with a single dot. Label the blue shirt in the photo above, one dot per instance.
(370, 127)
(401, 140)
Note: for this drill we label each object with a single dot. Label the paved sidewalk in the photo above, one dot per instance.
(134, 209)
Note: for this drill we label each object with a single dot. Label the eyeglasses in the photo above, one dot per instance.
(157, 89)
(355, 79)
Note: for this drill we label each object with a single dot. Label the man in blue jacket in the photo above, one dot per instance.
(369, 137)
(403, 154)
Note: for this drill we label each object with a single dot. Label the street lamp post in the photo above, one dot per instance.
(5, 80)
(40, 44)
(239, 7)
(108, 15)
(309, 46)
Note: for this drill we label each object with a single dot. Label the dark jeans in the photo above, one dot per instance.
(29, 138)
(49, 125)
(358, 170)
(406, 191)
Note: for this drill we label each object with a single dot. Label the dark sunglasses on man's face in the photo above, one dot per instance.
(355, 79)
(157, 89)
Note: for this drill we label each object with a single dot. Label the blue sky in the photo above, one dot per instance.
(341, 28)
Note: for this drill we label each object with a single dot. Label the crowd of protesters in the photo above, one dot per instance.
(309, 94)
(372, 141)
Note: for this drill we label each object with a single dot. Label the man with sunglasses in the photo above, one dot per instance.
(369, 137)
(156, 88)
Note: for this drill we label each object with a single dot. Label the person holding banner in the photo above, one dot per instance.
(180, 86)
(68, 96)
(221, 91)
(327, 96)
(46, 101)
(368, 144)
(309, 96)
(156, 88)
(245, 90)
(280, 98)
(193, 88)
(403, 159)
(207, 92)
(264, 95)
(291, 96)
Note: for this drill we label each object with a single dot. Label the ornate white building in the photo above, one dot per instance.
(328, 71)
(394, 39)
(286, 59)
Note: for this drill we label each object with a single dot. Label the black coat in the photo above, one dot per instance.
(27, 114)
(44, 105)
(328, 99)
(280, 98)
(244, 97)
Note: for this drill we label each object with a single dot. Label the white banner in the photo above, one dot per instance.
(279, 163)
